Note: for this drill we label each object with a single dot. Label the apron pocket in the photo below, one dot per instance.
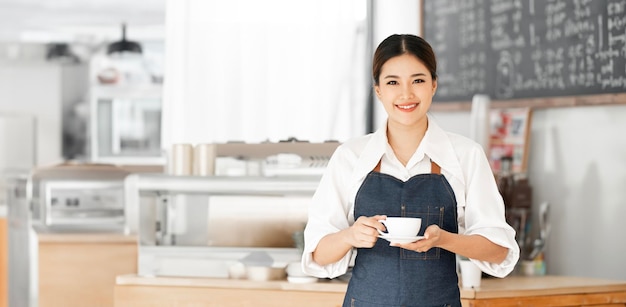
(433, 215)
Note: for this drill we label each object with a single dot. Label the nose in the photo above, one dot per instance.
(407, 92)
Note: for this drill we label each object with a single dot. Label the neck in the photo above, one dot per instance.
(404, 140)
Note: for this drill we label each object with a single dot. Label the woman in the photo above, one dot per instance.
(409, 167)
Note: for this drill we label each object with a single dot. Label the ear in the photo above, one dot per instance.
(434, 87)
(377, 91)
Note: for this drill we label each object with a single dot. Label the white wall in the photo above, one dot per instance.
(388, 19)
(17, 142)
(577, 163)
(40, 90)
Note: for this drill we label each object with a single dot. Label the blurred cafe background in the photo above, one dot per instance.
(177, 142)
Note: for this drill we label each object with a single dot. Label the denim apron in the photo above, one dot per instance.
(391, 276)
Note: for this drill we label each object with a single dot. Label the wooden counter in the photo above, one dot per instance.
(4, 258)
(545, 291)
(135, 291)
(78, 270)
(132, 290)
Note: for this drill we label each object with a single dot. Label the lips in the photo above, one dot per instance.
(407, 107)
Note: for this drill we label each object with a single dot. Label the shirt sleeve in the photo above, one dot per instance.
(328, 213)
(484, 213)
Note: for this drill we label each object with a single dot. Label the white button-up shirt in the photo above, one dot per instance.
(463, 163)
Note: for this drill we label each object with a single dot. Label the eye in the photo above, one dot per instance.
(392, 82)
(419, 81)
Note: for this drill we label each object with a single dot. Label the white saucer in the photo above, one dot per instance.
(401, 239)
(301, 279)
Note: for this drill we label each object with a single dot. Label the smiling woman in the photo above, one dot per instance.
(265, 70)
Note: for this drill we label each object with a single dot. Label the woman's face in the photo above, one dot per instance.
(406, 90)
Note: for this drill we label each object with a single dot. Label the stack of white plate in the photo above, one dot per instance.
(297, 276)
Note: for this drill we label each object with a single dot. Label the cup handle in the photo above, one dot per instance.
(381, 232)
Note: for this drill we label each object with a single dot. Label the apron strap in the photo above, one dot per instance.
(377, 168)
(434, 167)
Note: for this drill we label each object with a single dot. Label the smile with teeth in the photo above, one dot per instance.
(407, 106)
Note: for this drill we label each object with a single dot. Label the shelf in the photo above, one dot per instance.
(127, 91)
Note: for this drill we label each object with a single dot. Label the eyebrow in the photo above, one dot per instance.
(413, 75)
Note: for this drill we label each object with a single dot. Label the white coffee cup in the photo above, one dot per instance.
(470, 274)
(401, 226)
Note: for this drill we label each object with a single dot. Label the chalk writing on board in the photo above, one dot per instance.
(532, 48)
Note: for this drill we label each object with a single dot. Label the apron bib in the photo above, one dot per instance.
(391, 276)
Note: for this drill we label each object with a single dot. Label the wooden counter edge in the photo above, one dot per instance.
(521, 286)
(85, 238)
(537, 103)
(514, 286)
(161, 281)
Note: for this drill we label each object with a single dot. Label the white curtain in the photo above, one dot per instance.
(253, 71)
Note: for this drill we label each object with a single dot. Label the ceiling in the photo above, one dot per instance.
(80, 20)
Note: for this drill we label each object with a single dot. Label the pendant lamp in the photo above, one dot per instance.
(61, 52)
(123, 45)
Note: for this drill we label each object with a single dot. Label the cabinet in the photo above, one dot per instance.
(77, 270)
(132, 290)
(546, 291)
(62, 266)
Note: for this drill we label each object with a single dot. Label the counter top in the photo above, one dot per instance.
(520, 286)
(512, 286)
(86, 238)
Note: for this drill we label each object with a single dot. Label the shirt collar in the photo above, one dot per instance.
(371, 154)
(436, 145)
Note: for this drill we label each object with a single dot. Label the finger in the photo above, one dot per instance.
(427, 232)
(419, 247)
(369, 233)
(373, 222)
(367, 241)
(431, 231)
(364, 232)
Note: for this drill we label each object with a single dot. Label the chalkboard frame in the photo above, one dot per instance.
(539, 103)
(533, 103)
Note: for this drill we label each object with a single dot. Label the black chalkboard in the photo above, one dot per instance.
(527, 48)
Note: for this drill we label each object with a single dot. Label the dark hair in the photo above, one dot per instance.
(399, 44)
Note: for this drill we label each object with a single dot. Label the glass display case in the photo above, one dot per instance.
(126, 124)
(126, 91)
(200, 226)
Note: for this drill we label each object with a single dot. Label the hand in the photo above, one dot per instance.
(432, 234)
(364, 231)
